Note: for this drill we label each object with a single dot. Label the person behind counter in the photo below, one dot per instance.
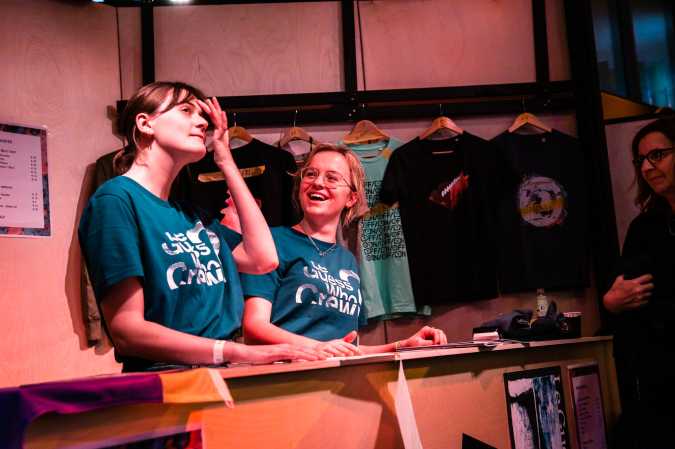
(313, 298)
(165, 276)
(642, 298)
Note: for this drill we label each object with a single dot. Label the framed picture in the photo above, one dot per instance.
(536, 409)
(24, 182)
(587, 403)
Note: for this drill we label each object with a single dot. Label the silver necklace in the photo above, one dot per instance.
(321, 253)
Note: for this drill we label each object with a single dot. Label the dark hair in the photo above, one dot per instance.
(646, 199)
(356, 178)
(148, 99)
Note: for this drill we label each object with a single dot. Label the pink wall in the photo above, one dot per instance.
(59, 71)
(64, 72)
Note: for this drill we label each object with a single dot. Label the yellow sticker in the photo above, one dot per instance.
(248, 172)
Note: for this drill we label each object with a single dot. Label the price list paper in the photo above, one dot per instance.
(24, 187)
(588, 409)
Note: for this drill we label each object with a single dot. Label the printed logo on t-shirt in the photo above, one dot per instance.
(201, 271)
(381, 231)
(448, 194)
(338, 293)
(542, 202)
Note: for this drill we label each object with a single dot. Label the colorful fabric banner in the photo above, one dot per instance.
(19, 406)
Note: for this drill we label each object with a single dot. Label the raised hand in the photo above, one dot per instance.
(221, 137)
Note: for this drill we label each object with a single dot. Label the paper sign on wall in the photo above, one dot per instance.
(24, 186)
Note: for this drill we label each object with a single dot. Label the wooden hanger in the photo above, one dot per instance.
(364, 131)
(237, 132)
(439, 124)
(294, 133)
(527, 119)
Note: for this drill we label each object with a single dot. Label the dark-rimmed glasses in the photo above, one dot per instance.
(654, 156)
(331, 179)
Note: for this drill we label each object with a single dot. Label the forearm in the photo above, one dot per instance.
(257, 243)
(152, 341)
(378, 349)
(261, 332)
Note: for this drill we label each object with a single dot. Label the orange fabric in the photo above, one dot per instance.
(198, 385)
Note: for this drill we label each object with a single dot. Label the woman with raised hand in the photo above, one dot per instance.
(313, 298)
(164, 274)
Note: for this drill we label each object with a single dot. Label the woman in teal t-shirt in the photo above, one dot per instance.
(165, 275)
(313, 297)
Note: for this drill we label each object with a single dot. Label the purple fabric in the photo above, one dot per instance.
(19, 406)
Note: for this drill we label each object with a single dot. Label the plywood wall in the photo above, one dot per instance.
(59, 70)
(66, 63)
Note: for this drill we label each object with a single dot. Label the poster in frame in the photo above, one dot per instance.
(24, 185)
(587, 404)
(536, 409)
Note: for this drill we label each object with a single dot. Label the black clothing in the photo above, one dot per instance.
(267, 171)
(446, 191)
(543, 221)
(642, 347)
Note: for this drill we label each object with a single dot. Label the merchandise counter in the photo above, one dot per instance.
(358, 402)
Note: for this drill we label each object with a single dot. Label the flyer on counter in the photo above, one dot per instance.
(24, 183)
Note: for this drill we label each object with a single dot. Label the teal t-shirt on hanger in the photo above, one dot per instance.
(383, 259)
(312, 295)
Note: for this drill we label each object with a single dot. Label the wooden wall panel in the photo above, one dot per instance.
(558, 54)
(619, 139)
(131, 69)
(251, 49)
(61, 73)
(437, 43)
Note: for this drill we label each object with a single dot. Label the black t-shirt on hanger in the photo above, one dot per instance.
(446, 190)
(543, 220)
(267, 172)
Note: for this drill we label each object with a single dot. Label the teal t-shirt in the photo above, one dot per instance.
(184, 262)
(313, 296)
(385, 274)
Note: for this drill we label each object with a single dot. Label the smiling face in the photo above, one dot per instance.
(659, 174)
(317, 200)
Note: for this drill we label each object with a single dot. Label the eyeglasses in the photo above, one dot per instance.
(653, 156)
(331, 179)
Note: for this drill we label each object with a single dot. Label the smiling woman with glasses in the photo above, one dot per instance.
(313, 298)
(642, 298)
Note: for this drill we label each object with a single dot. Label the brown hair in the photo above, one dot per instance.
(148, 99)
(646, 199)
(356, 179)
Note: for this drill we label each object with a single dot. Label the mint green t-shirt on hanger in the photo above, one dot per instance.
(385, 276)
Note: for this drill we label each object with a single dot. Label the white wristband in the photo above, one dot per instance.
(218, 347)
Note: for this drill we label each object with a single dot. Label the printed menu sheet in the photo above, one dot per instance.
(24, 186)
(588, 409)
